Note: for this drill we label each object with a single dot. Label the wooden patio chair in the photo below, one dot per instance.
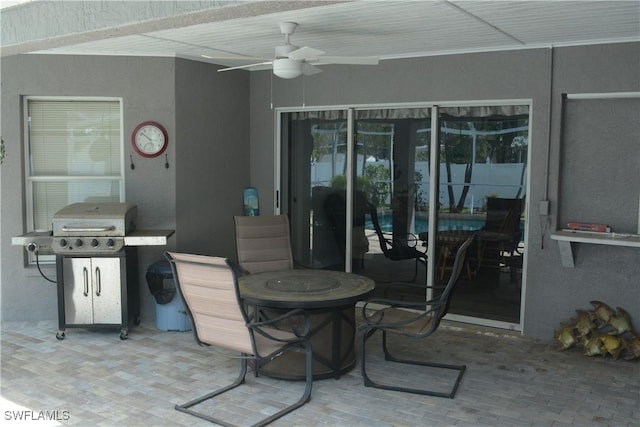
(209, 288)
(412, 320)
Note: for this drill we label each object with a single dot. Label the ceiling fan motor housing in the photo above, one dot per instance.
(286, 68)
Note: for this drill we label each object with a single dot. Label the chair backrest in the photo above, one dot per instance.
(373, 214)
(263, 243)
(503, 215)
(392, 248)
(456, 271)
(209, 288)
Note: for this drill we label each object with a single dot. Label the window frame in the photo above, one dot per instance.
(30, 179)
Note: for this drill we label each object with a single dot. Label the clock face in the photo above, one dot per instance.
(149, 139)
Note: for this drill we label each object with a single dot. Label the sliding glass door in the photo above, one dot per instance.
(378, 192)
(482, 192)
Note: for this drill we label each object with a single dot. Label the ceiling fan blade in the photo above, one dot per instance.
(310, 70)
(235, 57)
(240, 67)
(347, 60)
(305, 53)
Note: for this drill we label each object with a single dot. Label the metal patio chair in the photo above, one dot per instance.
(397, 249)
(400, 317)
(500, 236)
(209, 288)
(263, 243)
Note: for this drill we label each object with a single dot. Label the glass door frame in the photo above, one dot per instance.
(433, 182)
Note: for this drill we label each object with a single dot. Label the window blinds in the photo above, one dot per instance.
(74, 154)
(74, 138)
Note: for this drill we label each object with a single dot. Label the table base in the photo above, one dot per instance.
(332, 341)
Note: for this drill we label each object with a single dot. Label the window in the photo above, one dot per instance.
(73, 154)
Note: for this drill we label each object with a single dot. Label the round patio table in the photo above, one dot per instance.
(329, 297)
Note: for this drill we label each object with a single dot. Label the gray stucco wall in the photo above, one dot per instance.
(604, 273)
(197, 194)
(212, 117)
(207, 122)
(552, 292)
(146, 87)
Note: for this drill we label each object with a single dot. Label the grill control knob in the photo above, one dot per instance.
(78, 243)
(94, 243)
(110, 243)
(63, 243)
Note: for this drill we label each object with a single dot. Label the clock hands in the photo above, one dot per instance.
(149, 146)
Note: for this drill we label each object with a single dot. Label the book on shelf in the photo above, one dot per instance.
(585, 226)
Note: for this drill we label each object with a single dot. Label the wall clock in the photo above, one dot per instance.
(149, 139)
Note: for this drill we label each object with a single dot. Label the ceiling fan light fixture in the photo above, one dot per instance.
(286, 68)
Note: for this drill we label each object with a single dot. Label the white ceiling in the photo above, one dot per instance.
(383, 28)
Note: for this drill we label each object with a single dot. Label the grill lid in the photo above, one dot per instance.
(95, 219)
(109, 210)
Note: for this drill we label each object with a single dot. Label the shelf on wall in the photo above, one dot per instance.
(566, 238)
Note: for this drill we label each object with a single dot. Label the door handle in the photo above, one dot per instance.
(85, 274)
(98, 282)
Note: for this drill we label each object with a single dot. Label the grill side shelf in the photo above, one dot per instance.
(148, 237)
(34, 240)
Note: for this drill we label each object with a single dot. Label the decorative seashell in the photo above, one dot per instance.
(613, 345)
(600, 331)
(565, 337)
(584, 324)
(592, 346)
(602, 310)
(632, 350)
(621, 322)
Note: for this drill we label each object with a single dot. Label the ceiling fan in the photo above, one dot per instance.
(292, 61)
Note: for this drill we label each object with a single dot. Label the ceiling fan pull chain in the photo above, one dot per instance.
(271, 88)
(304, 92)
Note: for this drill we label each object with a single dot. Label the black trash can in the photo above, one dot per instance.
(170, 309)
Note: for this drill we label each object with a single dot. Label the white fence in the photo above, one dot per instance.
(487, 179)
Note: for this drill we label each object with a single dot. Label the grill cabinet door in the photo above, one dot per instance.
(92, 291)
(107, 295)
(78, 305)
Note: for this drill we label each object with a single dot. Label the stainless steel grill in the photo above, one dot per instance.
(96, 262)
(92, 228)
